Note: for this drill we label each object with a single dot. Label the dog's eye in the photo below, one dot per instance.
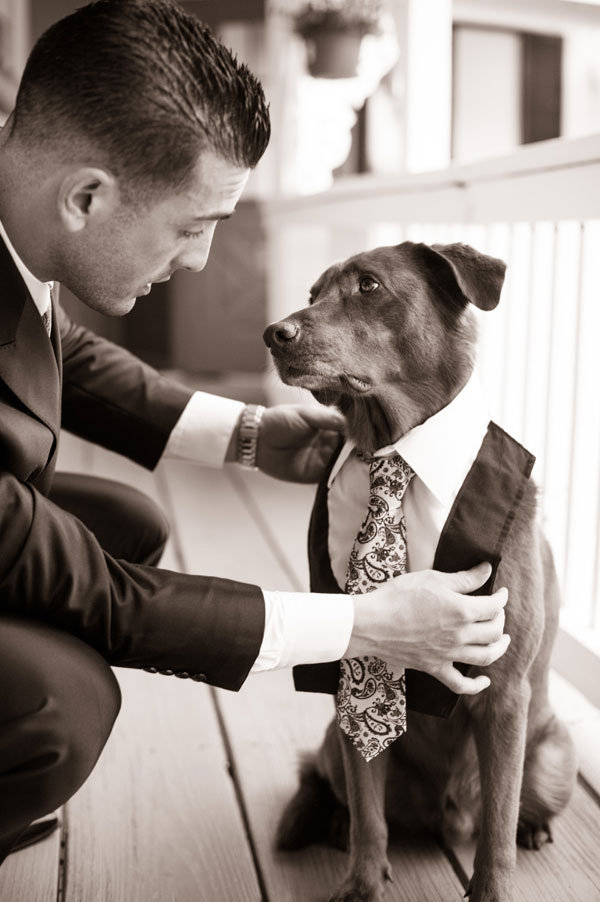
(367, 284)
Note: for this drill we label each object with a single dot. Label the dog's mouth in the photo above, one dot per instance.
(315, 380)
(358, 385)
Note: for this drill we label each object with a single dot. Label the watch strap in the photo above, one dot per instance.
(249, 429)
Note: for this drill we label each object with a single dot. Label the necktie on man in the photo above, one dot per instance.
(47, 319)
(47, 314)
(371, 698)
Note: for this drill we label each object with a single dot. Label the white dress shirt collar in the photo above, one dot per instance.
(442, 449)
(39, 291)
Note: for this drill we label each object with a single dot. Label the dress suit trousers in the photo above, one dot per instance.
(58, 696)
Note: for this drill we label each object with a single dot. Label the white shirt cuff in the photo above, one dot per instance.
(303, 628)
(202, 433)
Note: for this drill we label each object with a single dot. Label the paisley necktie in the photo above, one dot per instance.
(371, 698)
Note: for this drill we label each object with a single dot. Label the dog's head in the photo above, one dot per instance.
(388, 335)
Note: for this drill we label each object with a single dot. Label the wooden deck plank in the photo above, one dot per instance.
(583, 721)
(217, 532)
(32, 875)
(567, 870)
(158, 819)
(74, 454)
(283, 511)
(268, 724)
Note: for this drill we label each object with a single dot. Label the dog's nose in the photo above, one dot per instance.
(281, 333)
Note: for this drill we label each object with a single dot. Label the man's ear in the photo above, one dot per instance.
(473, 277)
(84, 194)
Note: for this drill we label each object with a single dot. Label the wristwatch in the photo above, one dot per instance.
(248, 435)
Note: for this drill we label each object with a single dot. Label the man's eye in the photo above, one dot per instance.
(191, 235)
(367, 284)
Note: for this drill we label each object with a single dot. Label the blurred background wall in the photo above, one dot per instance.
(442, 82)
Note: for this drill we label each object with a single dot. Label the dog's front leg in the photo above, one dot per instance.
(500, 726)
(365, 788)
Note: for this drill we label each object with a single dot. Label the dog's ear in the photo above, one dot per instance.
(477, 278)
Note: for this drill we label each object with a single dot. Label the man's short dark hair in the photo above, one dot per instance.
(146, 84)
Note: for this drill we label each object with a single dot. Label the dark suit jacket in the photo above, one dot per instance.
(51, 567)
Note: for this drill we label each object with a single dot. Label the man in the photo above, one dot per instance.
(133, 134)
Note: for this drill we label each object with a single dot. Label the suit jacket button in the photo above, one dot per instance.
(199, 677)
(182, 674)
(150, 669)
(166, 672)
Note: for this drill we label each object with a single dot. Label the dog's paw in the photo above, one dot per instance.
(533, 836)
(361, 887)
(356, 892)
(488, 890)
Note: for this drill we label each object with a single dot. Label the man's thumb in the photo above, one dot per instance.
(325, 418)
(465, 581)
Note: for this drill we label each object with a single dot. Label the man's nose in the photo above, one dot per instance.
(195, 256)
(281, 334)
(193, 262)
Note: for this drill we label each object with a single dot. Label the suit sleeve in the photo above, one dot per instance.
(53, 569)
(113, 399)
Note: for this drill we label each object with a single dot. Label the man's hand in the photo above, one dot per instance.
(296, 442)
(423, 621)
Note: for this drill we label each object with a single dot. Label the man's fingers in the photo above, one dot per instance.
(485, 607)
(465, 581)
(328, 437)
(459, 683)
(323, 417)
(483, 632)
(483, 655)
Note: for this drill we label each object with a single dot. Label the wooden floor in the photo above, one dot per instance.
(183, 804)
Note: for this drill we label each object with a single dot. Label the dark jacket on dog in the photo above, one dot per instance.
(475, 530)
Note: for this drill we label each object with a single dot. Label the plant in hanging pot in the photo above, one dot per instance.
(333, 31)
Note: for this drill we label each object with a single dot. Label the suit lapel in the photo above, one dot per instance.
(475, 531)
(29, 363)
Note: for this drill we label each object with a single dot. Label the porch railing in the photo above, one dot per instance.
(539, 360)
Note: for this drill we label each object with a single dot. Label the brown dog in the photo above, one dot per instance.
(389, 338)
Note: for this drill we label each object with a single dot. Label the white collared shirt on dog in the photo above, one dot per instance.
(441, 452)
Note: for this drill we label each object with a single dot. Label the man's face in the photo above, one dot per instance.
(119, 258)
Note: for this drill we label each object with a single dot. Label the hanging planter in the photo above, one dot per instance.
(333, 54)
(333, 31)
